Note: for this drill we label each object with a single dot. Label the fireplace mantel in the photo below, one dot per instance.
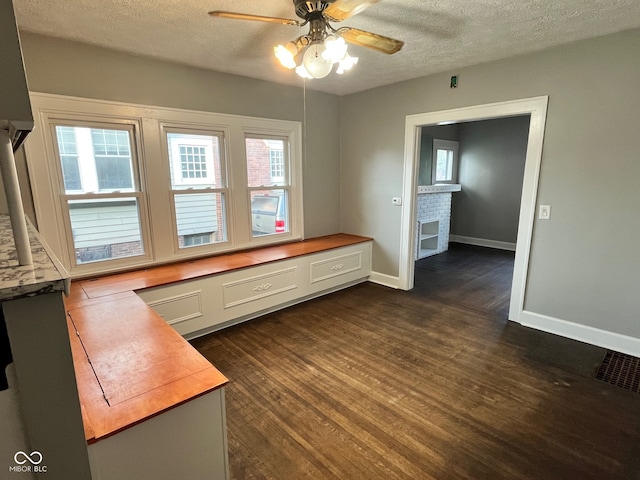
(439, 188)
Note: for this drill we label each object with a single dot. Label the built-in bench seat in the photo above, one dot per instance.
(137, 375)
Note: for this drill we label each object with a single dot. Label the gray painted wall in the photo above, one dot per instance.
(491, 170)
(68, 68)
(584, 265)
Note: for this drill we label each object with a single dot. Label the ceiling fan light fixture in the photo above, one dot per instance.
(335, 49)
(313, 55)
(346, 63)
(313, 61)
(302, 72)
(286, 54)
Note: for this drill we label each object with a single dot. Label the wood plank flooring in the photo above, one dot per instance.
(373, 383)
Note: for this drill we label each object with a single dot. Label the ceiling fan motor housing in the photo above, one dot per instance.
(304, 7)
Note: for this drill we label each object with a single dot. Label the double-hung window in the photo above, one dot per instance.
(268, 184)
(118, 186)
(100, 189)
(198, 186)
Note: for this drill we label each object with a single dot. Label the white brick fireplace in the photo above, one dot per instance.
(433, 219)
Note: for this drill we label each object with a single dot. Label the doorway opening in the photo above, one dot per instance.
(536, 108)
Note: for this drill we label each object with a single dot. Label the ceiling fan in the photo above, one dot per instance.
(313, 55)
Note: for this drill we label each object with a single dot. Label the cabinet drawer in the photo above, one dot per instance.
(335, 266)
(259, 286)
(178, 308)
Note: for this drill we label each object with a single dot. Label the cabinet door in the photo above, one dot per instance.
(188, 441)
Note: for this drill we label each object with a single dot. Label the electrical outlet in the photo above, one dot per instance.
(396, 201)
(545, 212)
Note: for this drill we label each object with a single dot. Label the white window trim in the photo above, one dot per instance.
(56, 210)
(45, 180)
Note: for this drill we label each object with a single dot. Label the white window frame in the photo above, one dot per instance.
(154, 177)
(48, 123)
(449, 145)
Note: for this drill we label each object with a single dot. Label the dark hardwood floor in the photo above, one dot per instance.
(378, 384)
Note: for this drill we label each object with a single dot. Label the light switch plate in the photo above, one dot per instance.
(545, 212)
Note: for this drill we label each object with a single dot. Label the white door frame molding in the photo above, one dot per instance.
(536, 107)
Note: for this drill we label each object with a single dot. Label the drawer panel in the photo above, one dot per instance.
(179, 308)
(259, 286)
(336, 266)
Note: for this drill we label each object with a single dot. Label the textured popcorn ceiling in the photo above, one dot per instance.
(439, 35)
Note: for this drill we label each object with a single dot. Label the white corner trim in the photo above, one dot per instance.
(483, 242)
(383, 279)
(584, 333)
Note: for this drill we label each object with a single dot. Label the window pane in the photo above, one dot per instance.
(194, 161)
(269, 212)
(112, 153)
(105, 229)
(200, 218)
(110, 142)
(114, 173)
(95, 159)
(265, 162)
(68, 150)
(444, 165)
(71, 173)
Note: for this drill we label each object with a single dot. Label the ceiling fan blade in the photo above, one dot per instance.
(374, 41)
(342, 9)
(255, 18)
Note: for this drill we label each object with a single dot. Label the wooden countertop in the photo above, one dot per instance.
(130, 364)
(139, 366)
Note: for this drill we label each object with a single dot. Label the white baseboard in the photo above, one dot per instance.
(594, 336)
(386, 280)
(483, 242)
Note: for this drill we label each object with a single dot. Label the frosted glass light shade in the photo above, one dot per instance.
(313, 62)
(346, 63)
(286, 55)
(335, 49)
(301, 71)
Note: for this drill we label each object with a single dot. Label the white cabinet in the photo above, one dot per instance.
(199, 306)
(252, 286)
(428, 238)
(188, 441)
(336, 266)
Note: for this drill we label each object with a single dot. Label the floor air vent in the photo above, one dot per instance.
(621, 370)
